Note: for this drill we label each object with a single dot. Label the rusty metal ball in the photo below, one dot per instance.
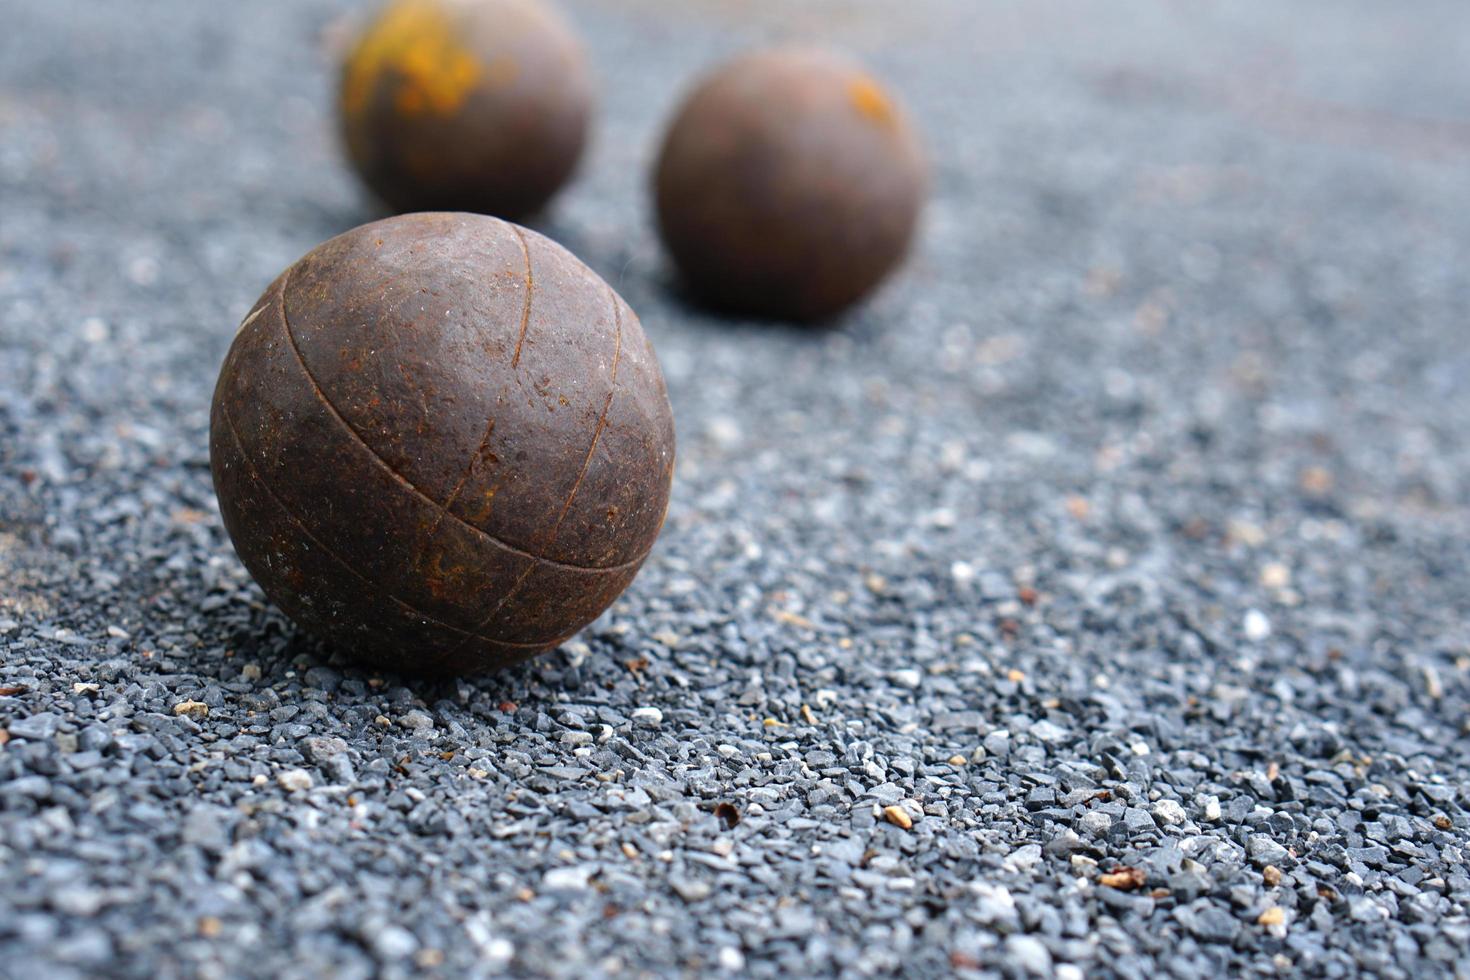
(441, 442)
(789, 185)
(471, 105)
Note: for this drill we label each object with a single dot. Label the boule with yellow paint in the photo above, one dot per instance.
(789, 185)
(466, 105)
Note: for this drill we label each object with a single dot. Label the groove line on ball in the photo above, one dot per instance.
(612, 389)
(596, 434)
(352, 570)
(515, 360)
(408, 484)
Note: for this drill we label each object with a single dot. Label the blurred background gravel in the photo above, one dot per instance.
(1093, 601)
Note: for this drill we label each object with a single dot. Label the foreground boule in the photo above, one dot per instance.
(466, 105)
(441, 442)
(789, 185)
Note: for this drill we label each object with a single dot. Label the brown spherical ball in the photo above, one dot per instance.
(442, 442)
(471, 105)
(789, 185)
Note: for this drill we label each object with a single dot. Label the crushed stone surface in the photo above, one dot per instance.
(1093, 602)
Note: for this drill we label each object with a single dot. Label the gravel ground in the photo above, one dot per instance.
(1093, 601)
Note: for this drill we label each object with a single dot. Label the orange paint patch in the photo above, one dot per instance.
(868, 97)
(480, 516)
(414, 44)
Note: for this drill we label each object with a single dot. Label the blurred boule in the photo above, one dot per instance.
(789, 185)
(469, 105)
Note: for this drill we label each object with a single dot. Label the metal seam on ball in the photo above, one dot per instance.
(306, 532)
(453, 496)
(515, 360)
(612, 390)
(596, 434)
(408, 484)
(489, 423)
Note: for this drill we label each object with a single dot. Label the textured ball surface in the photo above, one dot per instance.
(471, 105)
(442, 442)
(789, 185)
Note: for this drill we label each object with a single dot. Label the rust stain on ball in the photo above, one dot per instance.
(442, 442)
(476, 105)
(789, 185)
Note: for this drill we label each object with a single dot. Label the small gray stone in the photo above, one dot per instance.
(94, 738)
(1028, 954)
(38, 787)
(78, 900)
(1024, 858)
(1137, 820)
(320, 749)
(1208, 923)
(1262, 850)
(994, 906)
(36, 726)
(1046, 731)
(208, 826)
(689, 889)
(338, 770)
(417, 721)
(393, 942)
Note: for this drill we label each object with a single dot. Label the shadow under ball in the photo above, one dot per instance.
(441, 442)
(789, 185)
(467, 105)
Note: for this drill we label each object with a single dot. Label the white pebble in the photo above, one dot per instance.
(394, 942)
(723, 430)
(651, 717)
(1275, 575)
(1028, 953)
(943, 518)
(498, 953)
(908, 677)
(574, 878)
(1168, 812)
(1257, 627)
(294, 780)
(94, 330)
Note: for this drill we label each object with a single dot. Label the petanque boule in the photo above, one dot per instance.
(442, 443)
